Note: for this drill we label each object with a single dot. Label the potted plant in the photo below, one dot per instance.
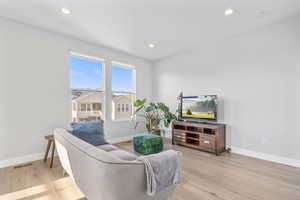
(154, 115)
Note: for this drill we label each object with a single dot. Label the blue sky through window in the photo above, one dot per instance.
(122, 79)
(85, 73)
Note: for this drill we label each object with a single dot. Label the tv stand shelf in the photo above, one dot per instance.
(202, 136)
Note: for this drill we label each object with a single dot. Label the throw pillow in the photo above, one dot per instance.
(91, 132)
(90, 127)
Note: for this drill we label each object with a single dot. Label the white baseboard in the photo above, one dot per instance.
(21, 160)
(268, 157)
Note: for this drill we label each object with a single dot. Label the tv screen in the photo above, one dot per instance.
(200, 107)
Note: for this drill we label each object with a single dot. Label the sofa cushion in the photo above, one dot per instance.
(124, 155)
(107, 147)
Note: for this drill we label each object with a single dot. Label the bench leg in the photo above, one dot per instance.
(52, 155)
(47, 150)
(64, 173)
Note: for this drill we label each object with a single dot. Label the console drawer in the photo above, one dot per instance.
(206, 143)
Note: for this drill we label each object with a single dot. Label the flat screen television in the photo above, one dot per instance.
(199, 108)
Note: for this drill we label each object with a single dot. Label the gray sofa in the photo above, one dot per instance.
(104, 172)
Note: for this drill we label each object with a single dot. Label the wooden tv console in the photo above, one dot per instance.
(203, 136)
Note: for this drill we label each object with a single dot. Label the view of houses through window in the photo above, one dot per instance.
(86, 76)
(86, 79)
(123, 91)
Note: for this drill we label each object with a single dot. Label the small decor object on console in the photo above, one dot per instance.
(148, 144)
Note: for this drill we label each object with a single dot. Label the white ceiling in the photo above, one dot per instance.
(130, 25)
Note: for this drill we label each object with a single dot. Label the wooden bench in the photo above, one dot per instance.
(50, 139)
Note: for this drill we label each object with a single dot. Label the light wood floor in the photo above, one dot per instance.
(205, 177)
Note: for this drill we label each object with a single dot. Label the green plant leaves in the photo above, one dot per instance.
(139, 102)
(163, 107)
(154, 114)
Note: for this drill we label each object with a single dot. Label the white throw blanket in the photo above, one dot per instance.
(162, 170)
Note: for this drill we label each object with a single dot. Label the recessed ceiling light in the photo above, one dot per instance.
(151, 45)
(229, 11)
(65, 11)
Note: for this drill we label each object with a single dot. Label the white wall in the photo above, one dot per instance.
(257, 76)
(34, 83)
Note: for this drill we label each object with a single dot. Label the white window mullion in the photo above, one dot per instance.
(108, 91)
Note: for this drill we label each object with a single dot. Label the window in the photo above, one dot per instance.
(83, 107)
(86, 77)
(86, 82)
(88, 107)
(97, 106)
(123, 90)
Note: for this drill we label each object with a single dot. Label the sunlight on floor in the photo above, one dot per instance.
(63, 188)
